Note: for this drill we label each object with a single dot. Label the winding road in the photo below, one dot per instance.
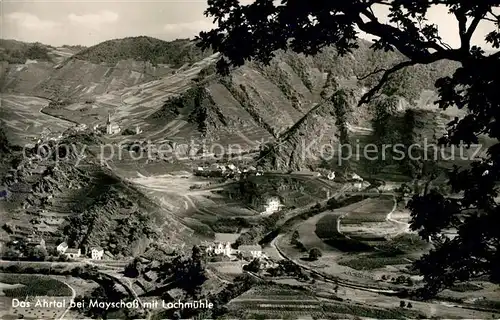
(73, 296)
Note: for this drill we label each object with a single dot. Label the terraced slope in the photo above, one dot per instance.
(254, 105)
(74, 73)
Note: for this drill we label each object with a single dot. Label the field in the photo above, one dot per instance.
(286, 302)
(326, 222)
(376, 220)
(228, 268)
(33, 288)
(23, 120)
(202, 208)
(372, 210)
(372, 261)
(367, 247)
(275, 301)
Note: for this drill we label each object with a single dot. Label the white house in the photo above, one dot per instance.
(62, 247)
(331, 175)
(96, 253)
(251, 251)
(272, 205)
(220, 249)
(73, 253)
(222, 244)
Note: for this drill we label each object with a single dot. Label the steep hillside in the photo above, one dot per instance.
(77, 80)
(17, 52)
(255, 104)
(76, 200)
(313, 138)
(174, 53)
(74, 74)
(24, 66)
(258, 103)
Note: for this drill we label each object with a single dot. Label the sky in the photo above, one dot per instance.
(87, 23)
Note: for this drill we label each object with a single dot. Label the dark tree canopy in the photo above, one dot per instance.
(255, 31)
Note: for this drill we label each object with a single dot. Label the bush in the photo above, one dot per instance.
(253, 266)
(128, 132)
(315, 254)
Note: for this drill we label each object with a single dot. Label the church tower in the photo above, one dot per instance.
(109, 129)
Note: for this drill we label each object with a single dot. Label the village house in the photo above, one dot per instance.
(62, 247)
(272, 205)
(220, 249)
(331, 175)
(250, 251)
(96, 253)
(222, 244)
(72, 253)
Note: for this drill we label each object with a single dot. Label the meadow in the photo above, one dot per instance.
(275, 300)
(31, 288)
(33, 285)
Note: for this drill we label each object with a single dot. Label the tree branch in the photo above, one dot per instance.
(448, 54)
(396, 37)
(385, 77)
(374, 72)
(473, 26)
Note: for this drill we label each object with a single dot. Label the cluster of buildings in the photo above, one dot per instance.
(229, 169)
(96, 253)
(245, 251)
(22, 247)
(222, 246)
(109, 128)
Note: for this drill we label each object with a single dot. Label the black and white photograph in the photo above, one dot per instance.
(249, 159)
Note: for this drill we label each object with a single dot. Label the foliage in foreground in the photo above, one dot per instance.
(257, 30)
